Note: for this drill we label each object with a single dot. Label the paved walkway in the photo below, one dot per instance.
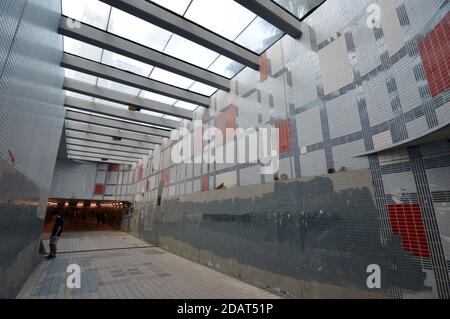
(94, 240)
(125, 267)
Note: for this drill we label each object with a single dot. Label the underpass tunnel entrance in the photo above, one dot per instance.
(82, 215)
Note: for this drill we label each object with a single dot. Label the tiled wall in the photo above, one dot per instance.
(342, 97)
(309, 238)
(345, 97)
(31, 121)
(342, 92)
(73, 179)
(114, 182)
(416, 191)
(95, 181)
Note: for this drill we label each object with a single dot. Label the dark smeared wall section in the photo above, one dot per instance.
(31, 121)
(20, 228)
(305, 237)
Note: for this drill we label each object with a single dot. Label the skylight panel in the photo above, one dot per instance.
(82, 49)
(118, 87)
(226, 17)
(186, 105)
(125, 63)
(79, 96)
(83, 77)
(138, 30)
(177, 6)
(226, 67)
(157, 97)
(171, 78)
(191, 52)
(204, 89)
(109, 103)
(259, 35)
(92, 12)
(116, 118)
(172, 118)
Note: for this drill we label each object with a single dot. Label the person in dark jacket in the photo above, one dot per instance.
(99, 218)
(56, 232)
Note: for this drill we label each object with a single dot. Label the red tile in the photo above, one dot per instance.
(99, 189)
(227, 120)
(113, 167)
(12, 158)
(435, 53)
(165, 176)
(205, 116)
(284, 127)
(264, 67)
(140, 172)
(205, 186)
(406, 221)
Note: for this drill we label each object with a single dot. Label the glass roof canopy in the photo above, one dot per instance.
(238, 29)
(246, 29)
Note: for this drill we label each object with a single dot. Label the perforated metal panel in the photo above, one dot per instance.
(31, 121)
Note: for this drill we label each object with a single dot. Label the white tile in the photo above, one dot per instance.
(335, 66)
(391, 27)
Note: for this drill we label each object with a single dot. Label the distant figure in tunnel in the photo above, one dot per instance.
(56, 232)
(83, 216)
(76, 215)
(103, 219)
(99, 218)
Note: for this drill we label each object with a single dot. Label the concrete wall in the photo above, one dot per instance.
(346, 98)
(31, 121)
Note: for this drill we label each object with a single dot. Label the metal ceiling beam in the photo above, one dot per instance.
(275, 15)
(172, 22)
(123, 98)
(117, 75)
(105, 146)
(108, 132)
(119, 158)
(99, 160)
(117, 124)
(103, 151)
(108, 140)
(105, 40)
(107, 110)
